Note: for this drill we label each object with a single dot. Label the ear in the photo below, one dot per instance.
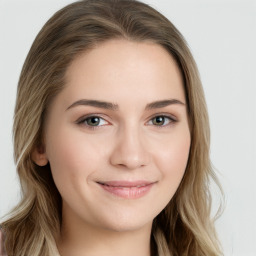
(39, 155)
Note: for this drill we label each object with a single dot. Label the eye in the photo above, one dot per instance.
(161, 120)
(92, 121)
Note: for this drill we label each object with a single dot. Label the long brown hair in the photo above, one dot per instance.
(184, 227)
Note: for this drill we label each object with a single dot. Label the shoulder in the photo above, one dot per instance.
(2, 250)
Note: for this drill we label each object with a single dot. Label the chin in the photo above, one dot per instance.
(126, 222)
(127, 227)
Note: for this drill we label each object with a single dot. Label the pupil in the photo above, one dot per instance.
(159, 120)
(93, 121)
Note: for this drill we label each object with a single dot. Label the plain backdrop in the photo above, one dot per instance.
(222, 37)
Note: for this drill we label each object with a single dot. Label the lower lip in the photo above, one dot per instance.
(128, 192)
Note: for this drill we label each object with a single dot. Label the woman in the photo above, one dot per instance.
(111, 139)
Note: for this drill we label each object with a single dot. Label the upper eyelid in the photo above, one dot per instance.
(83, 118)
(171, 116)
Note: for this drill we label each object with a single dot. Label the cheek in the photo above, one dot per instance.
(71, 159)
(172, 161)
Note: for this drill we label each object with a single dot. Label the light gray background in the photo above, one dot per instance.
(222, 38)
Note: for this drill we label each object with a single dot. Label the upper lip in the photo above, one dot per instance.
(127, 184)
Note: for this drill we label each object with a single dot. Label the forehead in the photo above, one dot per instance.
(121, 68)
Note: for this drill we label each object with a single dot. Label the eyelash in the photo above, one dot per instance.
(83, 121)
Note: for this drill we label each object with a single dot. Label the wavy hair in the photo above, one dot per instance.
(185, 226)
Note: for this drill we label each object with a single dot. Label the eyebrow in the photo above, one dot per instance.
(163, 103)
(115, 107)
(94, 103)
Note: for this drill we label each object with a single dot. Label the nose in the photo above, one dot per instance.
(129, 150)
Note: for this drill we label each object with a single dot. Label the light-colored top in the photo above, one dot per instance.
(2, 250)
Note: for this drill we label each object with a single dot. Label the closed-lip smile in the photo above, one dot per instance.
(127, 189)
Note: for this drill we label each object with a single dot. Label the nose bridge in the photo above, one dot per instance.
(129, 150)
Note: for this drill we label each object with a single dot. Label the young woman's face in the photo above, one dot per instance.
(117, 136)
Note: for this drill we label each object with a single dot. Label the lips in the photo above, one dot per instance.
(127, 189)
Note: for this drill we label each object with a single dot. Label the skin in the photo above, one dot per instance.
(127, 144)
